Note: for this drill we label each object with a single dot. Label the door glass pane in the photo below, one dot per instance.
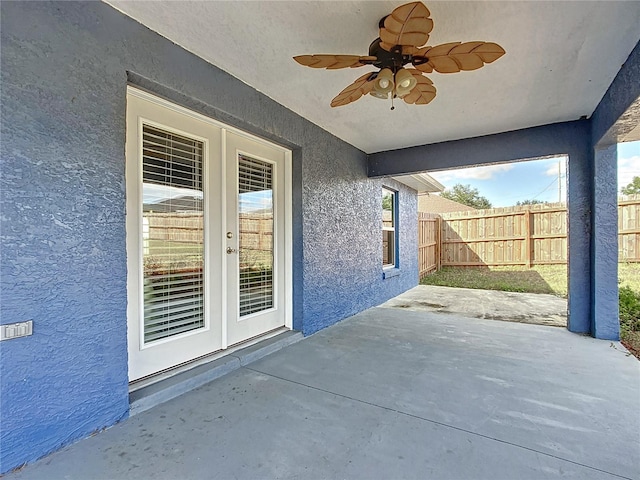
(173, 234)
(255, 235)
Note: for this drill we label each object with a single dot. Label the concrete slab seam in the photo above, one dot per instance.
(446, 425)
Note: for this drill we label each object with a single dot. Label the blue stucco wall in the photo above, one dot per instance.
(568, 138)
(579, 268)
(619, 110)
(546, 140)
(352, 240)
(65, 67)
(617, 114)
(62, 238)
(605, 323)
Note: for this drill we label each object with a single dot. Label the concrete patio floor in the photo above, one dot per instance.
(390, 394)
(536, 308)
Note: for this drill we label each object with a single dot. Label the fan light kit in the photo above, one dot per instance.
(403, 36)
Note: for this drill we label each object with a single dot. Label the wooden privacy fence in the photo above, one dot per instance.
(527, 236)
(188, 227)
(428, 242)
(522, 235)
(629, 228)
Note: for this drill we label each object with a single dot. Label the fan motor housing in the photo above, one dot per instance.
(394, 60)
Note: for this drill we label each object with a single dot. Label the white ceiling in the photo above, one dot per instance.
(561, 57)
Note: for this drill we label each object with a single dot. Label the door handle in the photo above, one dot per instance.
(231, 250)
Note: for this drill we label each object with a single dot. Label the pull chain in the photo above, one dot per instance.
(392, 107)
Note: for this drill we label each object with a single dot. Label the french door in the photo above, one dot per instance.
(255, 238)
(207, 236)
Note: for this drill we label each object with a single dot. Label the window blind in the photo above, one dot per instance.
(173, 234)
(255, 213)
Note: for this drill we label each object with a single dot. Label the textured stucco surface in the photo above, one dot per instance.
(569, 138)
(605, 323)
(65, 67)
(529, 143)
(336, 238)
(618, 113)
(616, 119)
(580, 268)
(63, 239)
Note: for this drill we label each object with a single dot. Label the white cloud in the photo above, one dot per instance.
(627, 169)
(552, 170)
(476, 173)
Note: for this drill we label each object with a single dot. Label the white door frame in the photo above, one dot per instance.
(134, 221)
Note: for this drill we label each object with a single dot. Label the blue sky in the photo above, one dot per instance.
(505, 184)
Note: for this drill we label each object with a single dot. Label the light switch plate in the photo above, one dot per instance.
(16, 330)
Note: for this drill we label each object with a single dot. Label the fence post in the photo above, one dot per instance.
(438, 235)
(527, 235)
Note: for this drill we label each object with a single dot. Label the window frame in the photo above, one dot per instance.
(394, 264)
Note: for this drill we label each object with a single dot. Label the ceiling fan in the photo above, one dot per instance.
(403, 35)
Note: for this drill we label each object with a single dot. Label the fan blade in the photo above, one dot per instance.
(421, 54)
(423, 92)
(455, 57)
(353, 92)
(408, 24)
(333, 62)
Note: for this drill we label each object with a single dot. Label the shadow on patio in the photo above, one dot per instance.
(390, 393)
(535, 308)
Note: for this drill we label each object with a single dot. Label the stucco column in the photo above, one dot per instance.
(605, 323)
(579, 198)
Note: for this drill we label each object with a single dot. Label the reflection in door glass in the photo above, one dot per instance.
(173, 234)
(255, 234)
(388, 227)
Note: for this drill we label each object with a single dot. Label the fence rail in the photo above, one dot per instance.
(522, 235)
(629, 228)
(256, 229)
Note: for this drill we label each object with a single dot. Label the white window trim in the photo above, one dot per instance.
(387, 267)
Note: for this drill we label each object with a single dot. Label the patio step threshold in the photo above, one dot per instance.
(169, 388)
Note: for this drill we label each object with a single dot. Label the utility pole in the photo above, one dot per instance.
(559, 182)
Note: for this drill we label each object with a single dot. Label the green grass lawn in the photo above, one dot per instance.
(550, 279)
(629, 275)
